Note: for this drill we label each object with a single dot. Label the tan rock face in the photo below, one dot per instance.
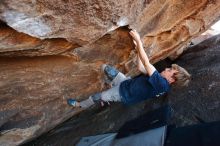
(13, 43)
(54, 49)
(175, 24)
(80, 21)
(34, 89)
(164, 25)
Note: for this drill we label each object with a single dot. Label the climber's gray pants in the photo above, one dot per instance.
(111, 94)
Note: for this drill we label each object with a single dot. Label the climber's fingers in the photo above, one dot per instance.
(103, 103)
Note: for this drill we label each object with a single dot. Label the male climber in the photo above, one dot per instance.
(132, 90)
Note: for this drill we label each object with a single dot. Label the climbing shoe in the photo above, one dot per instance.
(110, 71)
(71, 102)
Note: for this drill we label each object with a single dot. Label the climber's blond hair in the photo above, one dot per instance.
(182, 77)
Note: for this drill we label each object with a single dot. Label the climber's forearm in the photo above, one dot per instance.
(149, 68)
(141, 53)
(140, 65)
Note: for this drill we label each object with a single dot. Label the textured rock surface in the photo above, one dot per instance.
(38, 71)
(80, 21)
(33, 89)
(84, 21)
(200, 102)
(13, 43)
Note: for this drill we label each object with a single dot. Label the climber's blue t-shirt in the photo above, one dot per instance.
(143, 87)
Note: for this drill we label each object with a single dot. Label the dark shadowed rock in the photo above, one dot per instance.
(200, 101)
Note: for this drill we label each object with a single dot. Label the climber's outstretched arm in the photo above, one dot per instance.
(142, 56)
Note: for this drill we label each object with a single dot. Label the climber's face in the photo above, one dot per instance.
(168, 74)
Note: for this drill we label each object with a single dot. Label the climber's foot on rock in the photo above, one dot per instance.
(109, 71)
(73, 102)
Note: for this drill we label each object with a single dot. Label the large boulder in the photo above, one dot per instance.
(197, 103)
(51, 50)
(34, 89)
(164, 25)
